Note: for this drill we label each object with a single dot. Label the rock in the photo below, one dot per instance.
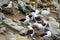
(38, 1)
(23, 32)
(55, 2)
(2, 28)
(51, 5)
(42, 5)
(18, 37)
(52, 19)
(12, 24)
(8, 11)
(0, 22)
(4, 1)
(46, 38)
(58, 9)
(2, 16)
(44, 1)
(11, 36)
(15, 26)
(27, 1)
(15, 5)
(17, 21)
(2, 37)
(22, 7)
(54, 27)
(59, 1)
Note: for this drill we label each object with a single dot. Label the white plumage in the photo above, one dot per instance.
(40, 26)
(27, 19)
(30, 28)
(45, 12)
(34, 15)
(7, 5)
(49, 34)
(36, 11)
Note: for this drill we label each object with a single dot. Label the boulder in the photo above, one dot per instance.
(2, 16)
(23, 32)
(22, 7)
(54, 28)
(2, 28)
(52, 19)
(14, 25)
(55, 2)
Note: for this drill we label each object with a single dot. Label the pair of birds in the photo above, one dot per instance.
(44, 12)
(35, 15)
(28, 17)
(31, 31)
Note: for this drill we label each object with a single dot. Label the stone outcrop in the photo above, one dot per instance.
(54, 27)
(14, 25)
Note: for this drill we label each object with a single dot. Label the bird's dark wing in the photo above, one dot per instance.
(29, 32)
(22, 20)
(44, 24)
(37, 18)
(4, 5)
(43, 34)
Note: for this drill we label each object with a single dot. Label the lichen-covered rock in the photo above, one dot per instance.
(22, 7)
